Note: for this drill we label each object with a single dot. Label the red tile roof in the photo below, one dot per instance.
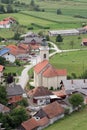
(30, 124)
(1, 68)
(24, 46)
(54, 109)
(40, 66)
(39, 91)
(52, 72)
(60, 93)
(4, 22)
(61, 72)
(34, 123)
(43, 121)
(85, 27)
(14, 50)
(84, 40)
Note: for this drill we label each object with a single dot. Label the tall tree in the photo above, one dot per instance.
(9, 8)
(3, 95)
(59, 38)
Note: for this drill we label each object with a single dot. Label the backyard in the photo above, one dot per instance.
(75, 121)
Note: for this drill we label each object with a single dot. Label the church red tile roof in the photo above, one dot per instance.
(52, 72)
(54, 109)
(40, 66)
(48, 70)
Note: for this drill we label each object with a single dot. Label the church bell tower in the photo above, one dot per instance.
(44, 50)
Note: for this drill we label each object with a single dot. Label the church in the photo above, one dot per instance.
(45, 74)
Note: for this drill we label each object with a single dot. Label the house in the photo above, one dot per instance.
(14, 93)
(63, 32)
(48, 76)
(7, 22)
(1, 71)
(5, 52)
(4, 109)
(41, 95)
(18, 51)
(35, 124)
(54, 111)
(84, 42)
(24, 47)
(32, 38)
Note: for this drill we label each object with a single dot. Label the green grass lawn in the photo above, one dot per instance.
(66, 44)
(13, 69)
(74, 62)
(76, 121)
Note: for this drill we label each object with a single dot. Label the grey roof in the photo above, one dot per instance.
(69, 31)
(40, 114)
(75, 84)
(14, 90)
(83, 91)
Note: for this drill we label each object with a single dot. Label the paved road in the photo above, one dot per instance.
(23, 79)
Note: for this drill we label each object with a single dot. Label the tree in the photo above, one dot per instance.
(84, 75)
(32, 3)
(2, 9)
(76, 99)
(47, 38)
(2, 61)
(23, 102)
(9, 78)
(59, 38)
(9, 8)
(59, 11)
(18, 115)
(3, 95)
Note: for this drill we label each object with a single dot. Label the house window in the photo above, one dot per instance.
(44, 55)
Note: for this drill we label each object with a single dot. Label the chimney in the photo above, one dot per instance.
(84, 80)
(72, 81)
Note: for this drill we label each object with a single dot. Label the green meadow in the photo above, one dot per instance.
(74, 62)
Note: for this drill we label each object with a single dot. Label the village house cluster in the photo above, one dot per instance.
(49, 98)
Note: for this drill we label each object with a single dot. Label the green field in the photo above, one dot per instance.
(66, 44)
(76, 121)
(74, 62)
(13, 69)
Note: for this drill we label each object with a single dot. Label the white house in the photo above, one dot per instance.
(5, 52)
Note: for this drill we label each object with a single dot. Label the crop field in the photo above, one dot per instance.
(75, 121)
(74, 62)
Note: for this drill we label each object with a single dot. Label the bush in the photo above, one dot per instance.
(51, 88)
(66, 112)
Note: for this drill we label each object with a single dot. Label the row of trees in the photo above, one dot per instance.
(7, 9)
(17, 114)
